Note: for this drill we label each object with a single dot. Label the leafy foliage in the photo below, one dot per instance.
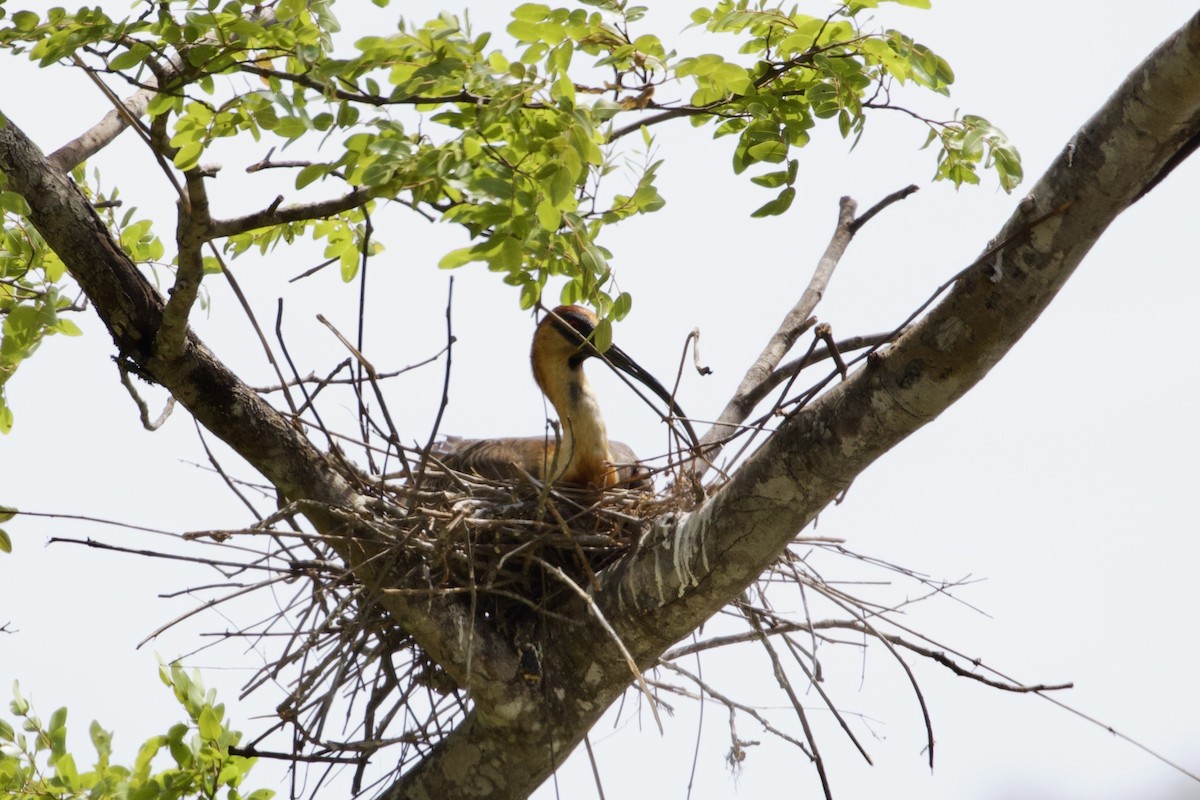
(35, 762)
(30, 300)
(517, 143)
(33, 304)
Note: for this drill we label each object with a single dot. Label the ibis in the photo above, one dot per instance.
(580, 452)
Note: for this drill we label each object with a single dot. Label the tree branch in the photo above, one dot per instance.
(797, 321)
(276, 214)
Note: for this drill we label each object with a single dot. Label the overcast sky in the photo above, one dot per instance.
(1065, 480)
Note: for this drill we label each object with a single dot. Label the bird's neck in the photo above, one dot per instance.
(584, 448)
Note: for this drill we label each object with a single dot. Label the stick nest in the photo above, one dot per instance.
(347, 666)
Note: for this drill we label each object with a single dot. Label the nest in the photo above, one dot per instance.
(356, 682)
(510, 542)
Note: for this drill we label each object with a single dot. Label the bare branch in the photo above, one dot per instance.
(190, 235)
(112, 124)
(143, 409)
(797, 320)
(894, 197)
(300, 212)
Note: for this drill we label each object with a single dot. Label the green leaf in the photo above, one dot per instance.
(622, 305)
(456, 258)
(7, 513)
(65, 770)
(14, 203)
(771, 180)
(209, 724)
(25, 21)
(531, 12)
(311, 173)
(548, 216)
(101, 740)
(5, 547)
(777, 206)
(66, 327)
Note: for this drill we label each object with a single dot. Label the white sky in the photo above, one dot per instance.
(1065, 479)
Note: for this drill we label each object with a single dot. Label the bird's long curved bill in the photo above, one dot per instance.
(616, 357)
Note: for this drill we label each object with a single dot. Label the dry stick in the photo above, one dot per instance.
(262, 337)
(825, 333)
(732, 704)
(794, 323)
(322, 384)
(365, 423)
(587, 743)
(796, 652)
(143, 409)
(912, 679)
(313, 270)
(93, 520)
(445, 401)
(782, 679)
(797, 320)
(1194, 776)
(308, 398)
(599, 615)
(373, 377)
(216, 601)
(894, 197)
(813, 674)
(216, 465)
(281, 572)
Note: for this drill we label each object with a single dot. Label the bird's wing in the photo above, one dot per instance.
(630, 472)
(497, 458)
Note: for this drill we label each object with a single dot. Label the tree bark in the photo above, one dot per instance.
(691, 564)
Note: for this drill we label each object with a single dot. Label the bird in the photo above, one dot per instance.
(580, 453)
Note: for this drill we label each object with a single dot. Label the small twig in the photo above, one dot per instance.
(894, 197)
(825, 333)
(216, 465)
(314, 270)
(730, 703)
(587, 743)
(249, 311)
(445, 399)
(873, 340)
(373, 378)
(143, 409)
(785, 684)
(331, 381)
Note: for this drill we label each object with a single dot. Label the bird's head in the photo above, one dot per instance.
(563, 342)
